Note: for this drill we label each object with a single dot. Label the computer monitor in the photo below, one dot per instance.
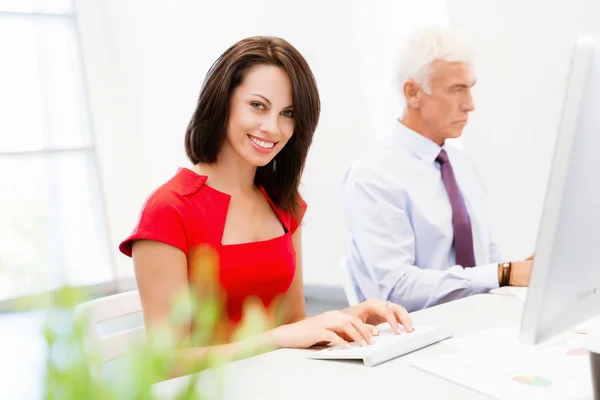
(564, 289)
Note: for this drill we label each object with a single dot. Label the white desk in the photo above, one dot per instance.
(288, 374)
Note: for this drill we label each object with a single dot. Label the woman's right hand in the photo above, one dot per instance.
(334, 327)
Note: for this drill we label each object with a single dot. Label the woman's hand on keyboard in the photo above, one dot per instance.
(378, 311)
(333, 327)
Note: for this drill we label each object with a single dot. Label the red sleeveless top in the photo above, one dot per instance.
(186, 213)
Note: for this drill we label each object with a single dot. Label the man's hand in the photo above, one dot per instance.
(520, 273)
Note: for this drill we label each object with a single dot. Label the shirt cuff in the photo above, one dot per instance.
(484, 277)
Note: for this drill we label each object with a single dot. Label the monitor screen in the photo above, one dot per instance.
(564, 288)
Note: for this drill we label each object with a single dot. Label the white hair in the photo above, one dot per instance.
(426, 45)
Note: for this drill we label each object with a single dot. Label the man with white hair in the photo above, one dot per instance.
(415, 208)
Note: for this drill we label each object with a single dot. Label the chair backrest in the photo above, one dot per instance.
(95, 311)
(348, 284)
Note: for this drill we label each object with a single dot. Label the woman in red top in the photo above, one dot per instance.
(247, 140)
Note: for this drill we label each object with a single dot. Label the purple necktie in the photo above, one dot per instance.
(463, 236)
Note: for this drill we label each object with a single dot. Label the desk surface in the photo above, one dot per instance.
(289, 374)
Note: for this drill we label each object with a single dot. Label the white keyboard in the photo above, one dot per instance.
(387, 345)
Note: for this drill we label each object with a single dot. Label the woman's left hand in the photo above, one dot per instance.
(378, 311)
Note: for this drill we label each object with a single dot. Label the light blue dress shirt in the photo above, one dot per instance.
(399, 220)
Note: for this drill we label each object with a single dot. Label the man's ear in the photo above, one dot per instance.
(411, 93)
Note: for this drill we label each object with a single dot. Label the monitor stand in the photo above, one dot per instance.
(594, 350)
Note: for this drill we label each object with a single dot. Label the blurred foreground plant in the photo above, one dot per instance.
(74, 366)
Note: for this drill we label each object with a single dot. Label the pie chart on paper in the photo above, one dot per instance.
(532, 380)
(582, 351)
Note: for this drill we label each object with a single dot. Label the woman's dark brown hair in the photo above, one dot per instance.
(206, 131)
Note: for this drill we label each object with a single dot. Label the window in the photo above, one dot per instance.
(52, 221)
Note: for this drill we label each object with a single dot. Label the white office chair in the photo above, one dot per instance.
(347, 281)
(95, 311)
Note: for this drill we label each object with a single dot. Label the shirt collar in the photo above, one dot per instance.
(416, 143)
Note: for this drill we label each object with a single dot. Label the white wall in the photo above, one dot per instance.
(146, 61)
(372, 33)
(524, 49)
